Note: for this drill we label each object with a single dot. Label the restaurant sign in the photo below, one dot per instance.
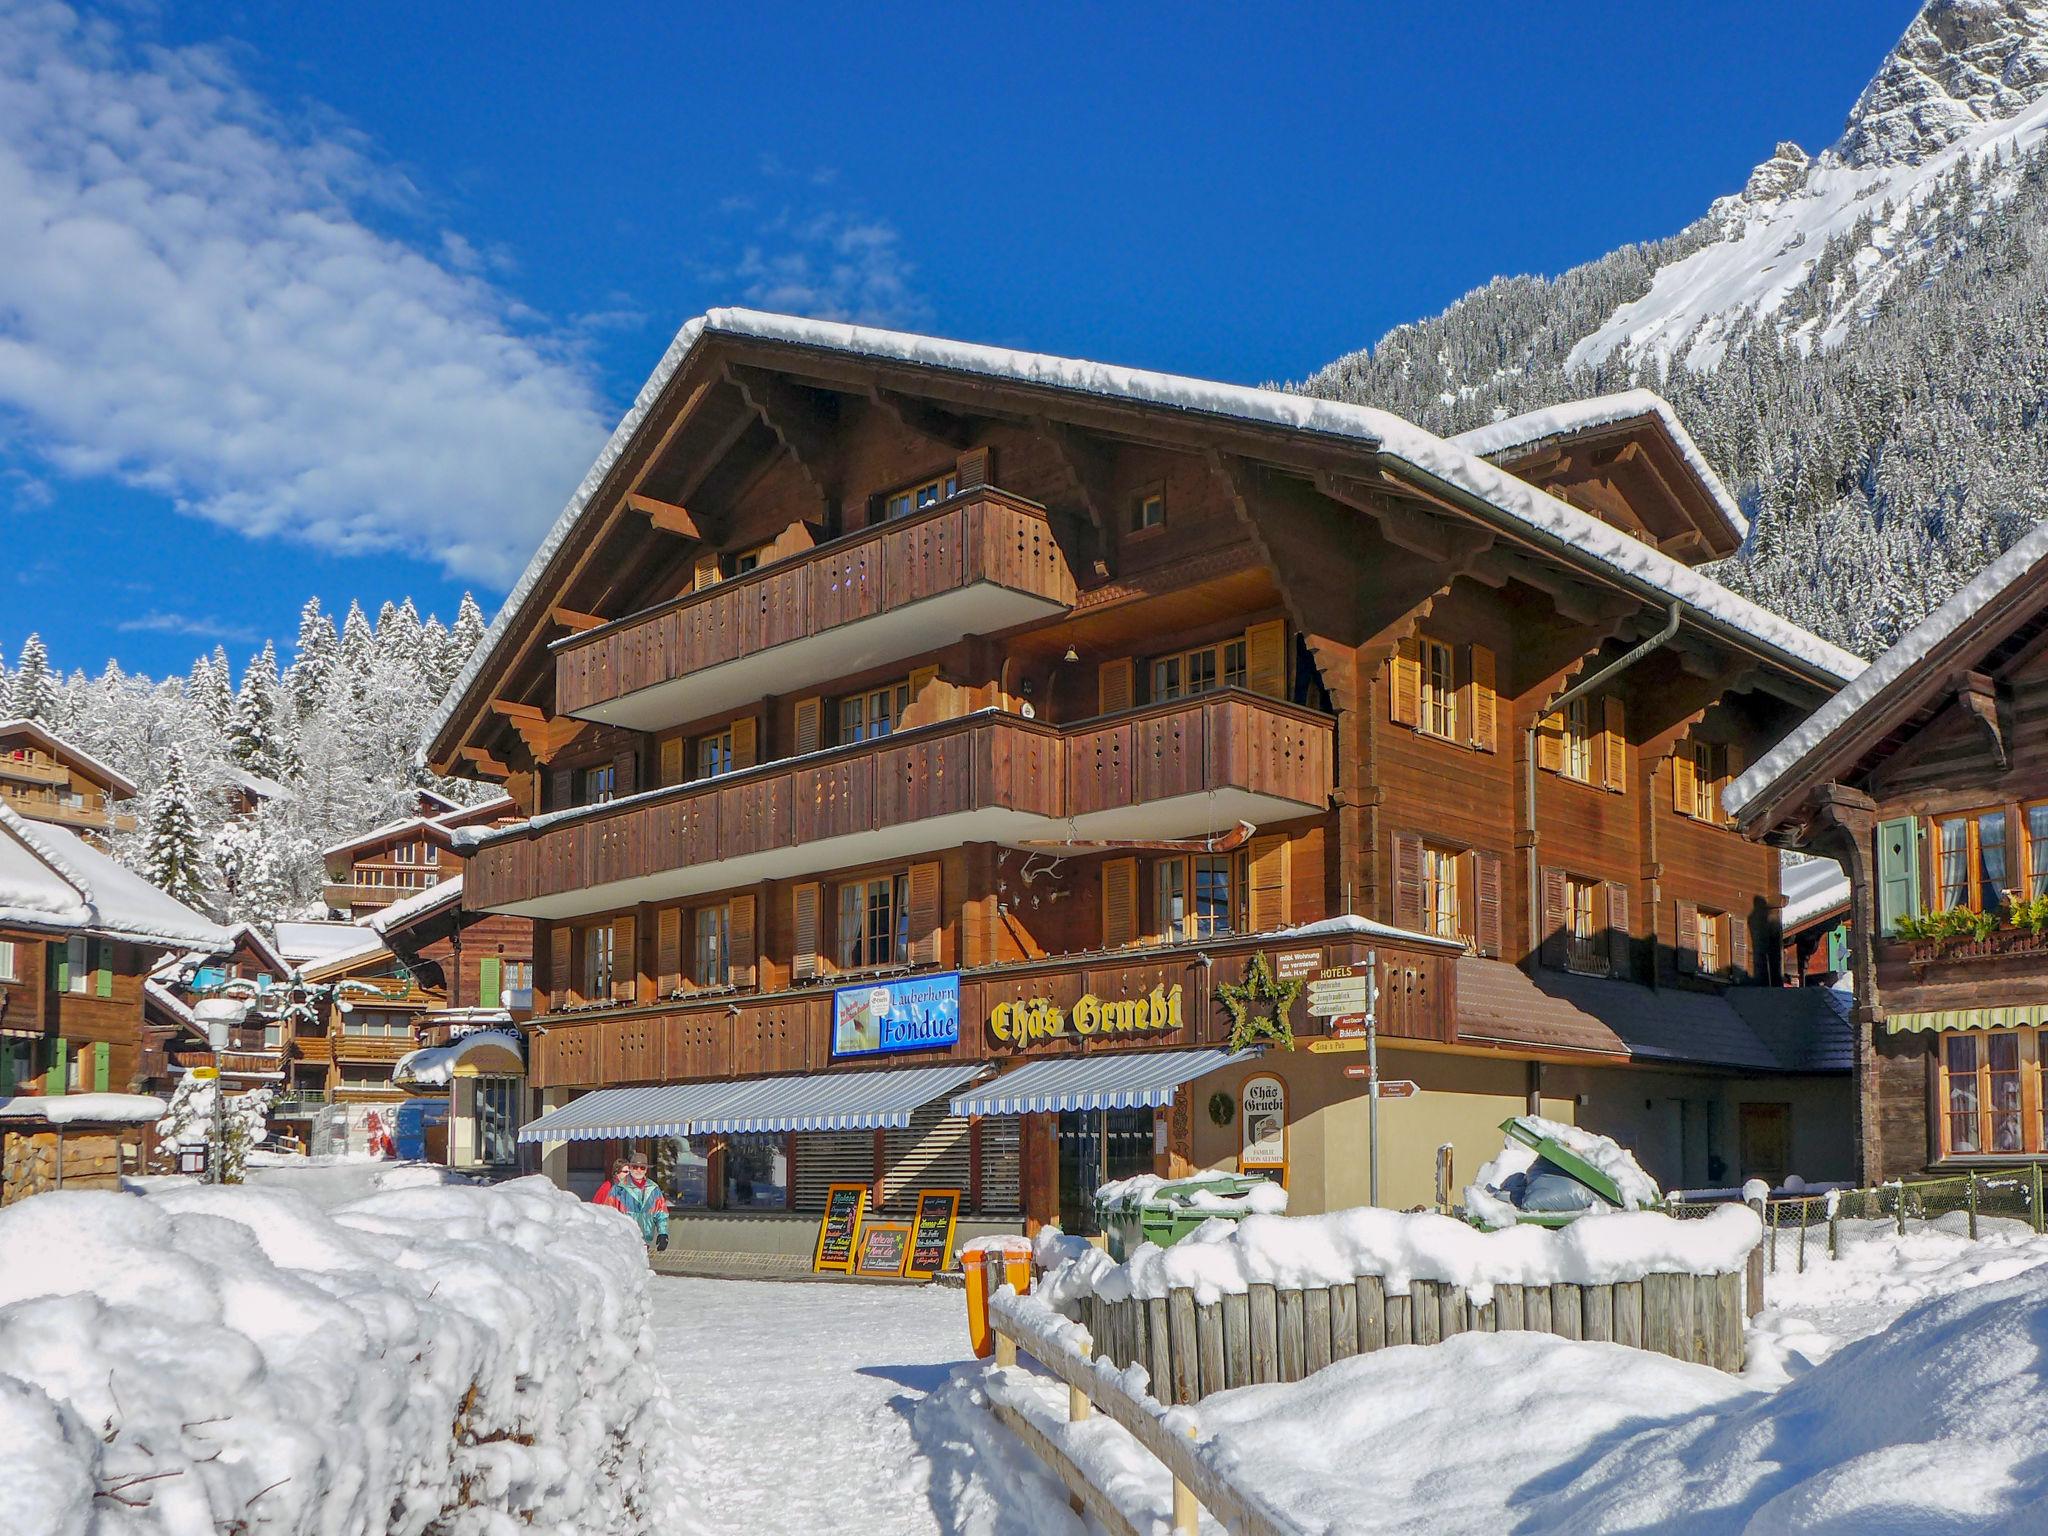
(1039, 1020)
(915, 1013)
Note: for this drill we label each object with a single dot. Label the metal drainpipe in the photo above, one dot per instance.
(1558, 706)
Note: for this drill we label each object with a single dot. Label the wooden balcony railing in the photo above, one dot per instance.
(33, 770)
(982, 561)
(369, 1047)
(1195, 765)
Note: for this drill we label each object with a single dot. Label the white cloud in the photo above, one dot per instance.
(158, 622)
(193, 301)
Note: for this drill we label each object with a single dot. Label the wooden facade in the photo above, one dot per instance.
(67, 1027)
(45, 778)
(1074, 691)
(1933, 795)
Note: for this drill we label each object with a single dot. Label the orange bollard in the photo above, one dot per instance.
(987, 1268)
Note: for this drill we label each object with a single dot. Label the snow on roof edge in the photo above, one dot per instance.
(58, 743)
(1913, 647)
(57, 849)
(1305, 413)
(1571, 417)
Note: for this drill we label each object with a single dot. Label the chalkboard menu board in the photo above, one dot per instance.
(931, 1235)
(883, 1247)
(837, 1229)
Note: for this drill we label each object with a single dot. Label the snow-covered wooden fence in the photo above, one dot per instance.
(1268, 1334)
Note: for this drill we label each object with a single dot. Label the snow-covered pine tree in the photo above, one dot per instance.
(208, 691)
(253, 728)
(315, 659)
(35, 695)
(468, 630)
(174, 848)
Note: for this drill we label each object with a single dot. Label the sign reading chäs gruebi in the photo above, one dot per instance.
(1036, 1020)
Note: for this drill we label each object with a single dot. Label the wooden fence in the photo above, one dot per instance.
(1267, 1334)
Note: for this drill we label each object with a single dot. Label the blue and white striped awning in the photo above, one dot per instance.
(618, 1114)
(1126, 1080)
(832, 1101)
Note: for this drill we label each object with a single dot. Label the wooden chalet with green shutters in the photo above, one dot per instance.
(868, 667)
(1928, 781)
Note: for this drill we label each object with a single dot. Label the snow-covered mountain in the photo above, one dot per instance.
(1858, 337)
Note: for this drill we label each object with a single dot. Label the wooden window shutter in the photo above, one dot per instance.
(672, 761)
(1486, 895)
(1404, 694)
(625, 960)
(705, 572)
(975, 467)
(1898, 873)
(924, 914)
(561, 789)
(561, 965)
(1614, 744)
(1119, 902)
(1554, 896)
(1738, 947)
(921, 678)
(1682, 779)
(1265, 659)
(1620, 946)
(490, 982)
(1407, 880)
(1688, 939)
(102, 1061)
(1483, 715)
(626, 773)
(1550, 743)
(1116, 682)
(1266, 882)
(745, 742)
(741, 942)
(803, 912)
(102, 968)
(668, 951)
(808, 726)
(1731, 770)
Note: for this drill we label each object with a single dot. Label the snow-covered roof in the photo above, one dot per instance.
(1821, 728)
(401, 913)
(301, 942)
(1532, 428)
(85, 1108)
(1351, 924)
(1813, 889)
(256, 784)
(58, 747)
(54, 881)
(431, 826)
(1534, 510)
(468, 814)
(434, 1065)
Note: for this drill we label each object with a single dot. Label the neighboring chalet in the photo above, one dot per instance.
(45, 778)
(402, 858)
(940, 761)
(247, 965)
(1814, 927)
(1928, 779)
(79, 937)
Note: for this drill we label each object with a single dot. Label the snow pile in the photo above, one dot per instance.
(1265, 1198)
(189, 1121)
(1485, 1202)
(432, 1358)
(85, 1108)
(1299, 1252)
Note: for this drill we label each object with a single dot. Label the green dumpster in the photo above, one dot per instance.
(1561, 1159)
(1167, 1212)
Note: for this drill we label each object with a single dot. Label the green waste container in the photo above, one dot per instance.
(1167, 1214)
(1562, 1159)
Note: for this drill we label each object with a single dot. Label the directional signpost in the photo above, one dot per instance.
(1351, 1001)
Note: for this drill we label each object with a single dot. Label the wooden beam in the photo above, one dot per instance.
(574, 621)
(1089, 466)
(1979, 700)
(1412, 519)
(544, 734)
(666, 516)
(799, 423)
(486, 765)
(923, 418)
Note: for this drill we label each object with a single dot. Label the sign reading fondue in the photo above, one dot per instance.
(1039, 1019)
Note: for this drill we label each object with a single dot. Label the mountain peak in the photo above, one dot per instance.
(1961, 64)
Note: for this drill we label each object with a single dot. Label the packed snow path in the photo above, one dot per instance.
(798, 1399)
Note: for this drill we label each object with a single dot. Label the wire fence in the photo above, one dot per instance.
(1803, 1229)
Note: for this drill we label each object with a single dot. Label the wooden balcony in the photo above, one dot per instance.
(33, 770)
(361, 1048)
(1181, 769)
(978, 563)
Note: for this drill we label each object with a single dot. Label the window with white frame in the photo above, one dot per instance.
(1439, 689)
(917, 497)
(874, 922)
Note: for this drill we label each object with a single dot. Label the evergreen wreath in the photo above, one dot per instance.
(1259, 1007)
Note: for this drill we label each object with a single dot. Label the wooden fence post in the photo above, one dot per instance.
(1187, 1514)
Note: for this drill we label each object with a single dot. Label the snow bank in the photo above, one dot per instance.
(1483, 1199)
(1221, 1258)
(85, 1108)
(1265, 1198)
(434, 1358)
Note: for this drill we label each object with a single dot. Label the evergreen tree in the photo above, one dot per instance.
(174, 850)
(206, 686)
(35, 694)
(315, 659)
(252, 730)
(468, 631)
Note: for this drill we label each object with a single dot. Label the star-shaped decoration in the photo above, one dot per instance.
(1259, 1007)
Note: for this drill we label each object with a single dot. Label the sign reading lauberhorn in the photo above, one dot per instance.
(914, 1013)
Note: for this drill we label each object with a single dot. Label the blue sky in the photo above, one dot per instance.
(341, 300)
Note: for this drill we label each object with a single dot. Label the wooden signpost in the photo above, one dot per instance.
(931, 1237)
(884, 1246)
(845, 1204)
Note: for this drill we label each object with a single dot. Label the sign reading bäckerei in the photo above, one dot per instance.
(912, 1013)
(1038, 1019)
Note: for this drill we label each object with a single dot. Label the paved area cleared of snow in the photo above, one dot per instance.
(799, 1400)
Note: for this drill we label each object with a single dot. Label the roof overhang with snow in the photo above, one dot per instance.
(77, 758)
(407, 828)
(1296, 433)
(53, 881)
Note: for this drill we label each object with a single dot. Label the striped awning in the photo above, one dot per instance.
(2012, 1016)
(1128, 1080)
(616, 1114)
(832, 1101)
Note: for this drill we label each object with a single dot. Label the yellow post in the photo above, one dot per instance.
(1187, 1514)
(1006, 1347)
(1078, 1406)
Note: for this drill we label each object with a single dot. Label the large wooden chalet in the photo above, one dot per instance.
(1928, 780)
(876, 689)
(46, 778)
(400, 859)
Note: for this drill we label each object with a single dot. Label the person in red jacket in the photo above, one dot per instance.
(631, 1191)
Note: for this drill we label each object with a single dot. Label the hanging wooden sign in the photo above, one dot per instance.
(1263, 1128)
(931, 1237)
(884, 1248)
(845, 1204)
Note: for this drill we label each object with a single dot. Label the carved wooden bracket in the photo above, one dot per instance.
(666, 516)
(486, 765)
(1088, 466)
(574, 621)
(544, 734)
(923, 418)
(1978, 699)
(799, 423)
